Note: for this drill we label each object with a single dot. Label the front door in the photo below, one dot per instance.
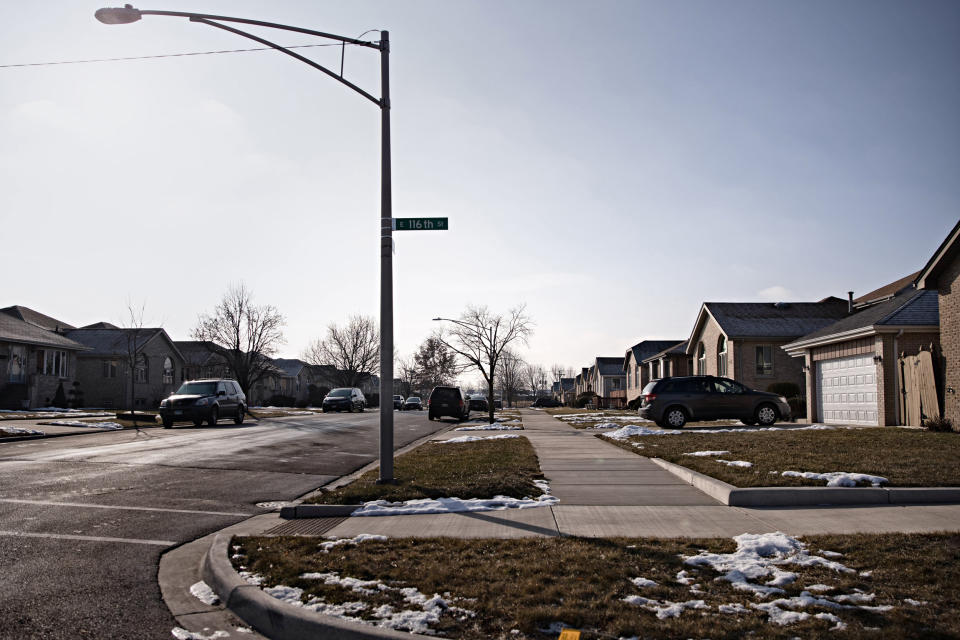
(17, 368)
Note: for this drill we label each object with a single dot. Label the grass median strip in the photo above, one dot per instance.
(480, 469)
(904, 457)
(769, 585)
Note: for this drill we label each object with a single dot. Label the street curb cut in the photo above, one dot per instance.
(809, 496)
(272, 617)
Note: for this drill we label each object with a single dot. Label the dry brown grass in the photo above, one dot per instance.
(906, 457)
(520, 587)
(480, 469)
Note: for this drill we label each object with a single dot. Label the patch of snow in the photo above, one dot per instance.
(182, 634)
(685, 578)
(643, 582)
(363, 537)
(202, 592)
(18, 431)
(273, 506)
(706, 453)
(819, 587)
(830, 554)
(743, 464)
(106, 426)
(665, 609)
(499, 426)
(631, 430)
(837, 478)
(477, 438)
(866, 574)
(839, 625)
(735, 608)
(916, 603)
(451, 505)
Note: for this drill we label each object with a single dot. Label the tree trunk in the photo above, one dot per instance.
(490, 400)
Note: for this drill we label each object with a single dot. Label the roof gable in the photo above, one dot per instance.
(773, 320)
(945, 254)
(117, 341)
(647, 348)
(887, 291)
(13, 329)
(36, 318)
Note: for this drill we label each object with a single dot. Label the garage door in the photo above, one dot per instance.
(847, 391)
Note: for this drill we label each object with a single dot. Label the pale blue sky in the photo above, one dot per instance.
(610, 164)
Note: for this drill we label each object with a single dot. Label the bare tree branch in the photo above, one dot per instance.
(353, 350)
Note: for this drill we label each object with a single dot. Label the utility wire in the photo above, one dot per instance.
(167, 55)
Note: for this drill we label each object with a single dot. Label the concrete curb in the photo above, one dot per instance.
(272, 617)
(318, 511)
(809, 496)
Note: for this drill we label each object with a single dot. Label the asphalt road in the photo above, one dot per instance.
(84, 519)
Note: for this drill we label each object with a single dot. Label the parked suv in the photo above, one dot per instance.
(546, 402)
(344, 399)
(398, 402)
(204, 400)
(448, 401)
(672, 402)
(478, 403)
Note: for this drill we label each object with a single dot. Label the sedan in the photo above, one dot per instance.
(412, 403)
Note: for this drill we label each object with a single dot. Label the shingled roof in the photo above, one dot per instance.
(36, 318)
(13, 329)
(910, 308)
(648, 348)
(113, 342)
(679, 348)
(770, 320)
(609, 366)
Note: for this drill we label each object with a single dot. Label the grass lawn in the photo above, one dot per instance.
(906, 457)
(519, 589)
(480, 469)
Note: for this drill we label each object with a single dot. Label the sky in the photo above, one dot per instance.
(609, 164)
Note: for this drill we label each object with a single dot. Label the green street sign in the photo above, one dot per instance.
(421, 224)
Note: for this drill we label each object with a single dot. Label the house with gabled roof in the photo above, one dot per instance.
(202, 359)
(609, 382)
(636, 374)
(123, 364)
(942, 275)
(851, 368)
(743, 340)
(37, 361)
(672, 361)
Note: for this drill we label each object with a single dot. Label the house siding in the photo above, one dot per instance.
(949, 299)
(709, 336)
(114, 392)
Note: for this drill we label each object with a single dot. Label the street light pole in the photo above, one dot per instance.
(128, 14)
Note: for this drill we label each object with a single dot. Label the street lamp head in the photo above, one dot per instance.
(435, 319)
(117, 15)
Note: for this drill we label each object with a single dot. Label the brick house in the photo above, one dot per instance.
(743, 340)
(201, 360)
(851, 370)
(103, 368)
(672, 361)
(637, 376)
(609, 382)
(36, 359)
(942, 274)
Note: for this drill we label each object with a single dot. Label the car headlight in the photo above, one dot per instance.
(202, 402)
(163, 403)
(783, 400)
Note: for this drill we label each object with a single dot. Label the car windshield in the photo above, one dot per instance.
(197, 389)
(413, 400)
(340, 393)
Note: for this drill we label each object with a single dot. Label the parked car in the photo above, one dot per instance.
(344, 399)
(204, 400)
(412, 403)
(448, 401)
(478, 403)
(672, 402)
(546, 402)
(398, 402)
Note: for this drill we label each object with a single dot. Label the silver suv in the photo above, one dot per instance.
(199, 400)
(672, 402)
(345, 399)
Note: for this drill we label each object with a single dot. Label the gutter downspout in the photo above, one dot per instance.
(898, 383)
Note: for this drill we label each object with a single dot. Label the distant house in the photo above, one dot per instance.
(202, 360)
(36, 359)
(563, 390)
(103, 368)
(743, 340)
(942, 275)
(609, 382)
(672, 361)
(637, 375)
(851, 365)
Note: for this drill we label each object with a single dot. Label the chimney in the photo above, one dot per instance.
(849, 301)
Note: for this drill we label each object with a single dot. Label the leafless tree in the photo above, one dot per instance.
(353, 350)
(406, 371)
(510, 375)
(134, 361)
(244, 334)
(436, 364)
(536, 377)
(480, 337)
(558, 371)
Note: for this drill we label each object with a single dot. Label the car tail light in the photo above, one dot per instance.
(649, 398)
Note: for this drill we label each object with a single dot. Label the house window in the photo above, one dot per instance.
(765, 360)
(52, 363)
(615, 383)
(722, 356)
(140, 372)
(109, 369)
(167, 371)
(701, 360)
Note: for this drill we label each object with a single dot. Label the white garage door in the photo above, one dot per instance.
(847, 391)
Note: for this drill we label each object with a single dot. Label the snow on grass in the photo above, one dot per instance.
(182, 634)
(643, 582)
(838, 478)
(593, 417)
(706, 453)
(477, 438)
(451, 505)
(743, 464)
(363, 537)
(106, 426)
(631, 430)
(17, 431)
(202, 592)
(665, 609)
(497, 426)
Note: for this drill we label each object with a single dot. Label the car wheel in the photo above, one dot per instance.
(362, 407)
(675, 418)
(766, 415)
(212, 420)
(167, 423)
(239, 418)
(430, 416)
(748, 422)
(198, 422)
(350, 408)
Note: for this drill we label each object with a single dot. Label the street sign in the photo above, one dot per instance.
(421, 224)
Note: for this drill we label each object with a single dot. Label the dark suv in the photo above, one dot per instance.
(672, 402)
(199, 400)
(344, 399)
(448, 401)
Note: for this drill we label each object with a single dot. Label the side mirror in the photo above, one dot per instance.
(221, 392)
